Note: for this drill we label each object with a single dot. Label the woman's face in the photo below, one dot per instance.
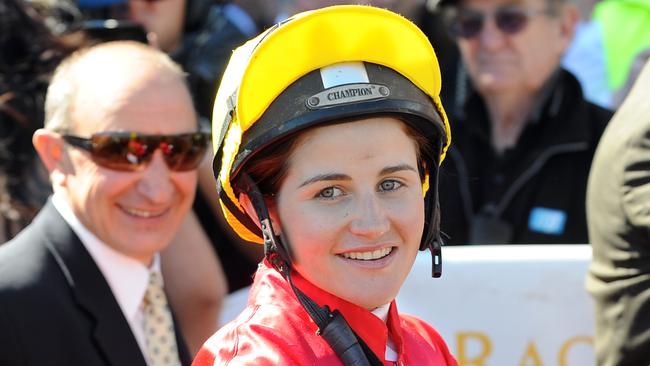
(351, 207)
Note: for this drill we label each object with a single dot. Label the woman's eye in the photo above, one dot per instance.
(389, 185)
(330, 192)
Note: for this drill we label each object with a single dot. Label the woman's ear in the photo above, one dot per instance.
(247, 204)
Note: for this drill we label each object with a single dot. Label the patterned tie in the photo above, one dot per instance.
(158, 325)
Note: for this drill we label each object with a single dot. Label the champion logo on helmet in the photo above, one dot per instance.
(346, 94)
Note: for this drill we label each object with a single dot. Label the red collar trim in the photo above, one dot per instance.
(365, 324)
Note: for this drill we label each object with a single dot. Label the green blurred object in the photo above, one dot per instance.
(626, 32)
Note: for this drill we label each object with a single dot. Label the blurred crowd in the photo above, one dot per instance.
(529, 87)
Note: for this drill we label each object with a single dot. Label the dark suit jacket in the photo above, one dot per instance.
(56, 308)
(618, 213)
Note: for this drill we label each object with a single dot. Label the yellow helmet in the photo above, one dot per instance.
(277, 84)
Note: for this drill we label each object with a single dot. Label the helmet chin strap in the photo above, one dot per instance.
(274, 249)
(332, 326)
(431, 239)
(435, 246)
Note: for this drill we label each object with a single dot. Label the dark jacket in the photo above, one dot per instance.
(204, 55)
(533, 193)
(618, 213)
(56, 308)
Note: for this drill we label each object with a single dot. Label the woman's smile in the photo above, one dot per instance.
(370, 260)
(368, 255)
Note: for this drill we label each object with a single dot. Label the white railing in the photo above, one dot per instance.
(507, 305)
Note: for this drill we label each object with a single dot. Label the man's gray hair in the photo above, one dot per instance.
(64, 85)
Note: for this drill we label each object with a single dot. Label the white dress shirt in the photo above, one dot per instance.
(382, 313)
(127, 277)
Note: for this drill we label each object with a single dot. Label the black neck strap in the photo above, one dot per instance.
(336, 331)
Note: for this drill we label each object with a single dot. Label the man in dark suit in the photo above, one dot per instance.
(81, 285)
(618, 215)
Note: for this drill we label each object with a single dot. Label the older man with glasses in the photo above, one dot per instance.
(82, 285)
(525, 135)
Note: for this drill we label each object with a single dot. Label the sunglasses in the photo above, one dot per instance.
(130, 151)
(509, 19)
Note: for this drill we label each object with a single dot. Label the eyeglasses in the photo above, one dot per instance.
(509, 19)
(130, 151)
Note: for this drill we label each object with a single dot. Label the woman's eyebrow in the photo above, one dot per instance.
(325, 177)
(345, 177)
(396, 168)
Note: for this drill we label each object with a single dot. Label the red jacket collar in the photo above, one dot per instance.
(365, 324)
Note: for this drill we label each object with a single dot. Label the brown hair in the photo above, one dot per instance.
(269, 167)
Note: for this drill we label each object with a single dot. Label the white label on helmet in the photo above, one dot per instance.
(343, 73)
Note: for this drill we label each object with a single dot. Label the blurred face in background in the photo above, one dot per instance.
(163, 20)
(512, 46)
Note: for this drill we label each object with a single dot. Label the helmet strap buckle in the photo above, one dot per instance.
(436, 257)
(274, 249)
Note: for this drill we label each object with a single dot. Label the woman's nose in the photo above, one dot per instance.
(371, 218)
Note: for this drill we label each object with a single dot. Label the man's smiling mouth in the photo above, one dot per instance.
(142, 213)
